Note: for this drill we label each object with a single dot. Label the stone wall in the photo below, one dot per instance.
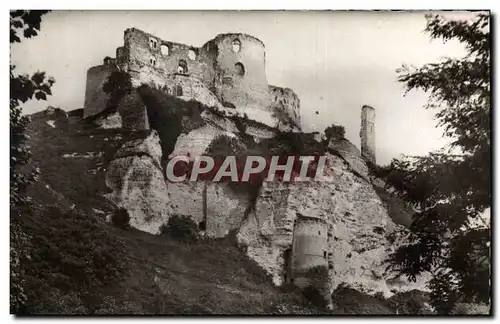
(145, 49)
(95, 98)
(240, 74)
(286, 100)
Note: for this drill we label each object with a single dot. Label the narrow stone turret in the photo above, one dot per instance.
(367, 133)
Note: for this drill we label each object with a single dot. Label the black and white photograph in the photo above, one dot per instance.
(250, 163)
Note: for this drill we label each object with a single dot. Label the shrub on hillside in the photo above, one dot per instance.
(316, 291)
(121, 218)
(181, 228)
(411, 302)
(117, 85)
(335, 132)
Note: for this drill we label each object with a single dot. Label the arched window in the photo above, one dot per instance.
(182, 68)
(192, 54)
(153, 43)
(152, 61)
(164, 49)
(239, 69)
(236, 45)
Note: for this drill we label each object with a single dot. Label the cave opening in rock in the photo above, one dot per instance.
(287, 274)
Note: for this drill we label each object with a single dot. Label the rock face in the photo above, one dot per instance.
(138, 184)
(353, 244)
(357, 224)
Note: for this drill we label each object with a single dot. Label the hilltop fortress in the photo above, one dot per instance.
(287, 228)
(230, 66)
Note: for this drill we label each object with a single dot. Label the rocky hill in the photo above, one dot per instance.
(91, 168)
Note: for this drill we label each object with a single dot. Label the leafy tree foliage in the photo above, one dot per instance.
(181, 228)
(27, 21)
(22, 89)
(451, 191)
(336, 132)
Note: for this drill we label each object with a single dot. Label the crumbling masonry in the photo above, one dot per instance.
(231, 66)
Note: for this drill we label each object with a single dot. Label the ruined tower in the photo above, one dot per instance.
(309, 247)
(367, 133)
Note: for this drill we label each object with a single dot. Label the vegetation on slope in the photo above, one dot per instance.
(22, 88)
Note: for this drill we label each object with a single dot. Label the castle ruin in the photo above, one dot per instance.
(229, 71)
(230, 66)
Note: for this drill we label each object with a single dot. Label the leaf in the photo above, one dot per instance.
(13, 37)
(17, 24)
(30, 32)
(38, 77)
(40, 95)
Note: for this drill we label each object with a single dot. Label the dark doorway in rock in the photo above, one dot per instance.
(288, 266)
(178, 91)
(239, 69)
(202, 226)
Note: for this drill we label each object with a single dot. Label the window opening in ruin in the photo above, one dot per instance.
(202, 226)
(178, 91)
(239, 69)
(182, 68)
(236, 45)
(152, 61)
(192, 54)
(164, 49)
(153, 43)
(324, 254)
(319, 232)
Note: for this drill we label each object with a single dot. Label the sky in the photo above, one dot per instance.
(335, 61)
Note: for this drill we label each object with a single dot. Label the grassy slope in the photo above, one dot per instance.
(159, 275)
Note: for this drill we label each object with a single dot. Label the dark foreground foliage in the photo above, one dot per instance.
(451, 191)
(69, 253)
